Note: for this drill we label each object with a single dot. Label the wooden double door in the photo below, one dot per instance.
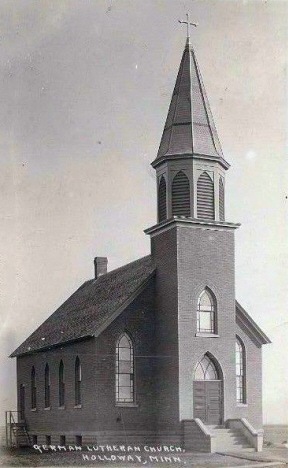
(208, 401)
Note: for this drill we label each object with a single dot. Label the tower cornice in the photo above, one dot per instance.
(181, 156)
(180, 221)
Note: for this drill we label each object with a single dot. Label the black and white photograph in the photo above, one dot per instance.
(144, 233)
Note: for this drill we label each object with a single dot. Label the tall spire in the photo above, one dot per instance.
(189, 129)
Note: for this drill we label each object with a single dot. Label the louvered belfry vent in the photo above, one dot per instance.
(221, 200)
(205, 197)
(180, 195)
(162, 210)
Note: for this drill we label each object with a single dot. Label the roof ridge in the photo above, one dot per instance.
(119, 268)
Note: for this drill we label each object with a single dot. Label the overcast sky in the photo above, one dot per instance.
(85, 89)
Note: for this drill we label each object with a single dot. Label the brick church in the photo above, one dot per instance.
(158, 350)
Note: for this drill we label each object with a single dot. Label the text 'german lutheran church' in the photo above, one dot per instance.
(157, 351)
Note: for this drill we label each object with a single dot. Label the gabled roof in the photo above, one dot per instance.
(98, 302)
(91, 308)
(189, 128)
(248, 325)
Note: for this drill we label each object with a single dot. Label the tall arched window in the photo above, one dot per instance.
(180, 195)
(33, 389)
(206, 313)
(125, 378)
(162, 210)
(205, 197)
(47, 386)
(78, 378)
(61, 384)
(221, 200)
(240, 372)
(206, 370)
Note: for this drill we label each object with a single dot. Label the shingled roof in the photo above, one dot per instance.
(189, 128)
(94, 305)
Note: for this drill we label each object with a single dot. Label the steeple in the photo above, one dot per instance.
(190, 165)
(189, 129)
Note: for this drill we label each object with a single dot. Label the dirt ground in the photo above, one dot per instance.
(28, 457)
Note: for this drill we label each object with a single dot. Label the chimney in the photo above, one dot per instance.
(100, 264)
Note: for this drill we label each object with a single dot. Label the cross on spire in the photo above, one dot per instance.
(188, 24)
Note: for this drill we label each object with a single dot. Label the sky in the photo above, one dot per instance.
(85, 90)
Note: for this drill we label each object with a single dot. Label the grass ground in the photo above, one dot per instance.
(27, 457)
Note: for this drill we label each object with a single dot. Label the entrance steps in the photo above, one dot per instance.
(229, 440)
(16, 430)
(237, 435)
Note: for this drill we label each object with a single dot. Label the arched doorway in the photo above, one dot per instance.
(208, 391)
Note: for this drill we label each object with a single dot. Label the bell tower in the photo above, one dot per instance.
(190, 166)
(192, 246)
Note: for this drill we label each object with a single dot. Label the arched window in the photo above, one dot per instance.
(206, 370)
(125, 370)
(78, 378)
(162, 210)
(206, 313)
(205, 197)
(33, 389)
(61, 384)
(221, 200)
(47, 386)
(240, 372)
(180, 195)
(22, 402)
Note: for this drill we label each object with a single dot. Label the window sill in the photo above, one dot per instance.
(61, 407)
(242, 405)
(48, 408)
(127, 405)
(207, 335)
(77, 406)
(33, 409)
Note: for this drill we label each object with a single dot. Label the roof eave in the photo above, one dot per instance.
(169, 156)
(245, 318)
(51, 346)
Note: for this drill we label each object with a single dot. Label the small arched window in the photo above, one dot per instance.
(61, 384)
(78, 378)
(180, 195)
(221, 200)
(240, 372)
(206, 370)
(206, 313)
(47, 386)
(205, 197)
(125, 378)
(162, 210)
(33, 389)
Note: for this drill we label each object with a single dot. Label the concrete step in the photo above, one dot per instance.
(227, 439)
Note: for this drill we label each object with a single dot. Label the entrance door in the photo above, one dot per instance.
(22, 402)
(208, 401)
(207, 391)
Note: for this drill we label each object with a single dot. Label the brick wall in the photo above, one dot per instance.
(162, 324)
(188, 259)
(206, 259)
(98, 412)
(253, 409)
(164, 252)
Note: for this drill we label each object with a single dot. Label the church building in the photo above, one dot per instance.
(157, 351)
